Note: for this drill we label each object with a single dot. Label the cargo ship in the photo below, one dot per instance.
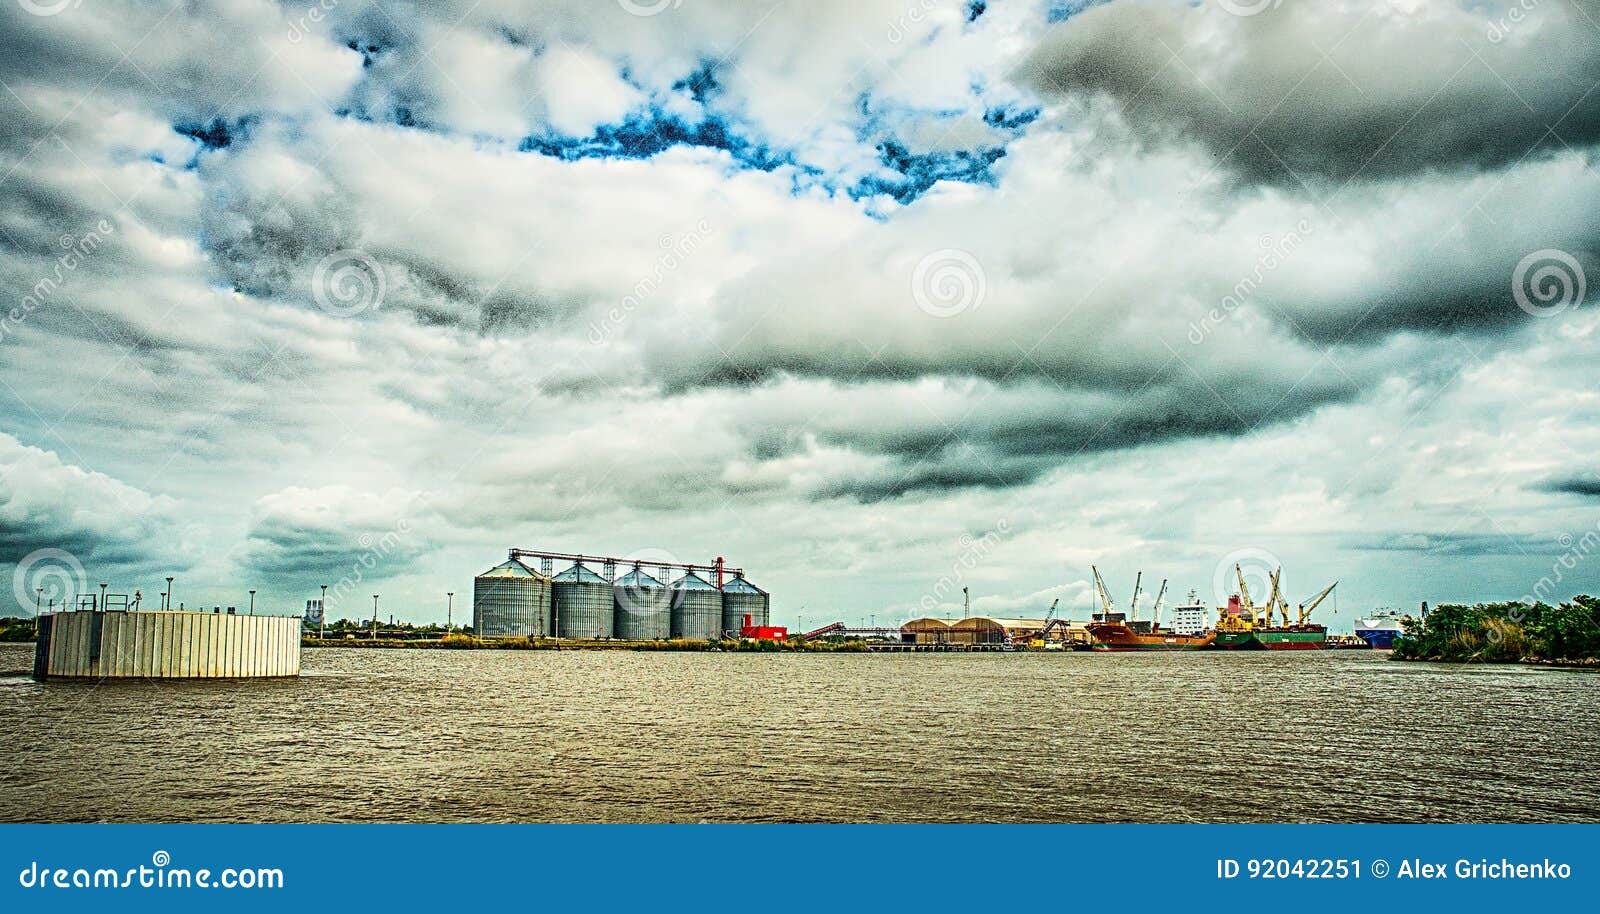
(1380, 629)
(1275, 638)
(1240, 627)
(1110, 630)
(1115, 634)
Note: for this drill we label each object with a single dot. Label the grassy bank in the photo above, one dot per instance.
(468, 642)
(1506, 633)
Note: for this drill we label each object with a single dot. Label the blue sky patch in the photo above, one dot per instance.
(647, 133)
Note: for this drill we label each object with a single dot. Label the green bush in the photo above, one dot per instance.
(16, 630)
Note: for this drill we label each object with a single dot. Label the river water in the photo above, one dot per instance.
(421, 735)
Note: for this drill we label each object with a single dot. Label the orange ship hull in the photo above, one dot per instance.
(1112, 636)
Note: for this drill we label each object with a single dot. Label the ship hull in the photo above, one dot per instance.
(1310, 639)
(1236, 641)
(1111, 638)
(1293, 641)
(1381, 639)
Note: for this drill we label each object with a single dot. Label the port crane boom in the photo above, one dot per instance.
(1314, 602)
(1275, 598)
(1244, 594)
(1051, 623)
(1138, 582)
(1106, 606)
(1155, 614)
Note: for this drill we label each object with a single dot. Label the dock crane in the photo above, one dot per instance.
(1138, 581)
(1276, 605)
(1245, 602)
(1041, 639)
(1107, 607)
(1155, 614)
(1314, 602)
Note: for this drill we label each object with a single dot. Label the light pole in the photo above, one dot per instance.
(103, 586)
(38, 597)
(169, 593)
(449, 610)
(252, 602)
(322, 617)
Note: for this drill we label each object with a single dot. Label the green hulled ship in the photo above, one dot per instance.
(1241, 628)
(1291, 638)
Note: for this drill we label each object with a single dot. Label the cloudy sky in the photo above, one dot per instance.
(877, 299)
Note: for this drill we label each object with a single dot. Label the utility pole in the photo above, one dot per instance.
(322, 617)
(374, 617)
(449, 610)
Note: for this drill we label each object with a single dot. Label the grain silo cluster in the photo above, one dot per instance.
(543, 594)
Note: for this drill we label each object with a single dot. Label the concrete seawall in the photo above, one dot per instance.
(165, 645)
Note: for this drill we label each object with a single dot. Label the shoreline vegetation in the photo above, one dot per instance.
(1567, 634)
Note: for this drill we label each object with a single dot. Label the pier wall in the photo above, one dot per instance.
(165, 645)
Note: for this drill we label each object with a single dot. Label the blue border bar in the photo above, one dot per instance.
(805, 867)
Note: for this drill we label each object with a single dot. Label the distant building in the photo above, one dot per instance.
(314, 612)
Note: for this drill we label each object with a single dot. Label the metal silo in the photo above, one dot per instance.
(643, 606)
(696, 608)
(583, 603)
(511, 600)
(741, 598)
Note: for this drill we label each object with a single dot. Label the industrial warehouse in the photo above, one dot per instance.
(525, 597)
